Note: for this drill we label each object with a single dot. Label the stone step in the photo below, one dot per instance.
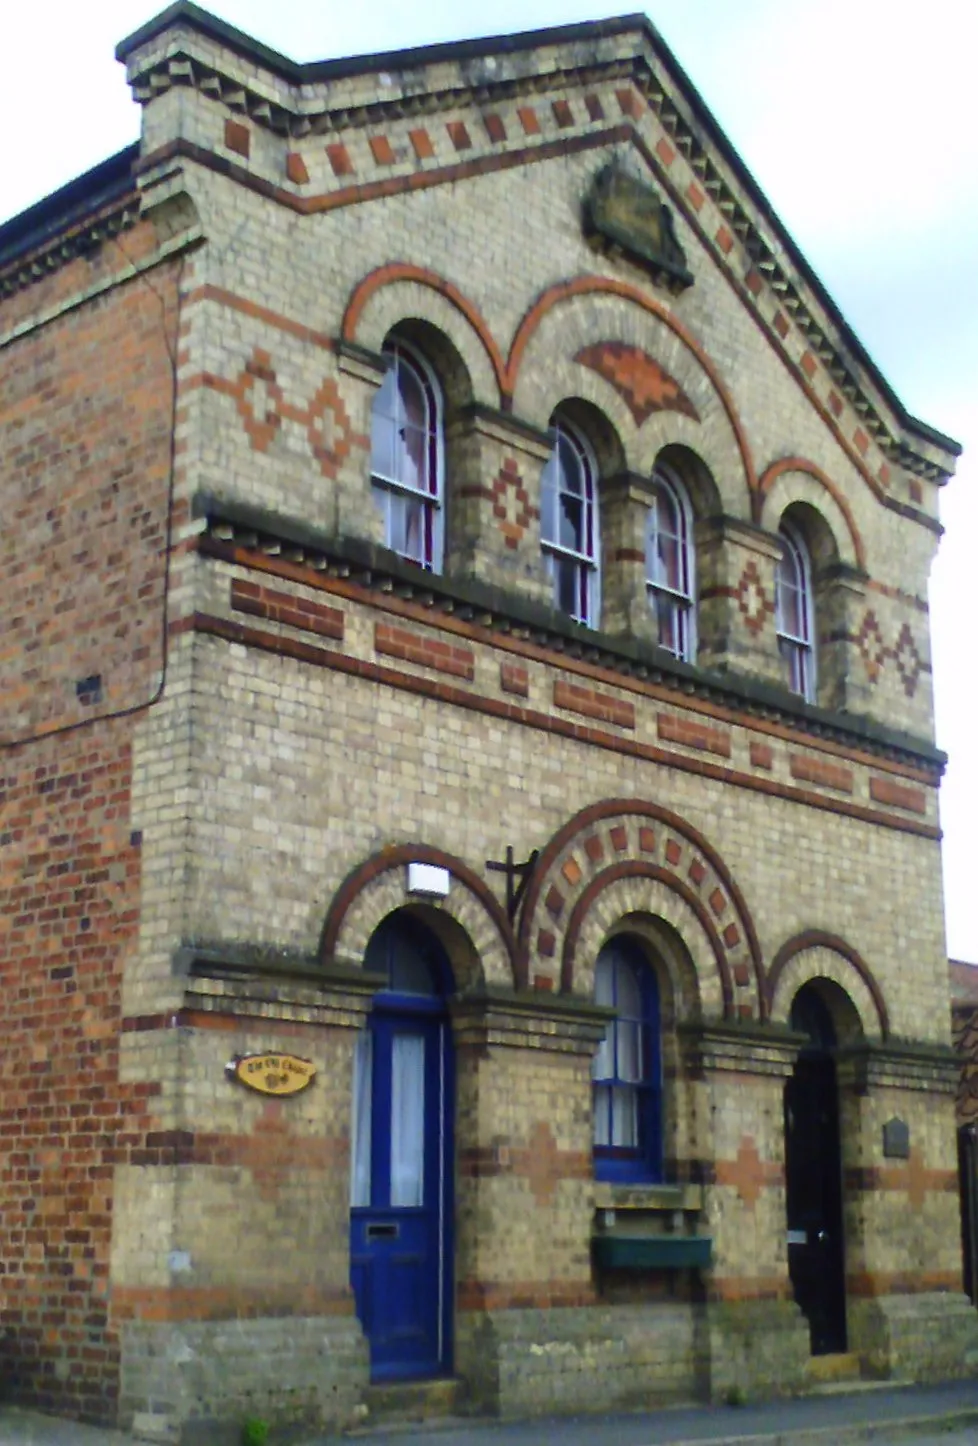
(842, 1367)
(391, 1403)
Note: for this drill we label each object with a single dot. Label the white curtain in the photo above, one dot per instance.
(362, 1096)
(407, 1120)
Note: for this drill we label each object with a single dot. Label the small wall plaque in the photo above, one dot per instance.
(896, 1140)
(272, 1074)
(624, 213)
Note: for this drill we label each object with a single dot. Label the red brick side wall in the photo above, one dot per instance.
(85, 409)
(69, 881)
(85, 417)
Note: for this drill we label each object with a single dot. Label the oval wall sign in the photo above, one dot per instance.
(273, 1074)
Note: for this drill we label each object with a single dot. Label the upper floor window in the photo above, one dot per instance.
(795, 612)
(569, 524)
(627, 1071)
(407, 457)
(670, 565)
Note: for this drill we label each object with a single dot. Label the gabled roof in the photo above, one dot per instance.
(291, 98)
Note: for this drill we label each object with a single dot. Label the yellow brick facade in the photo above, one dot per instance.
(333, 713)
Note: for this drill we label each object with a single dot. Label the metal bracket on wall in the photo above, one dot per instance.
(515, 891)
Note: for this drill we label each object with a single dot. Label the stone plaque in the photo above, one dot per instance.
(626, 214)
(272, 1074)
(896, 1140)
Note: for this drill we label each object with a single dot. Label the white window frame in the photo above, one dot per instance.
(798, 648)
(586, 563)
(659, 591)
(389, 489)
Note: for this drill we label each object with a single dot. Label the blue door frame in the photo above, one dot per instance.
(401, 1239)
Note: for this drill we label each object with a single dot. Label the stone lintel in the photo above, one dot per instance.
(844, 575)
(279, 984)
(723, 528)
(932, 1069)
(507, 430)
(558, 1025)
(628, 487)
(360, 362)
(764, 1050)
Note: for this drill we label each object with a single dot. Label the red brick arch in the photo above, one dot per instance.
(395, 271)
(630, 838)
(809, 469)
(818, 939)
(397, 856)
(639, 869)
(597, 285)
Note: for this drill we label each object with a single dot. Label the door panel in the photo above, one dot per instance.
(400, 1243)
(816, 1256)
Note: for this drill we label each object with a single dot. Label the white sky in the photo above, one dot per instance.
(855, 116)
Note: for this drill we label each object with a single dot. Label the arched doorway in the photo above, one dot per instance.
(813, 1175)
(401, 1192)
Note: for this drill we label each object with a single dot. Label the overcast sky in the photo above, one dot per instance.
(855, 116)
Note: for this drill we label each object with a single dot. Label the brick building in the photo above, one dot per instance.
(464, 651)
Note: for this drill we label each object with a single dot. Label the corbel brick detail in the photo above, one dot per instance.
(396, 642)
(283, 607)
(589, 703)
(821, 772)
(674, 729)
(898, 795)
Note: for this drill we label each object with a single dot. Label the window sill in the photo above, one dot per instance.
(649, 1227)
(659, 1199)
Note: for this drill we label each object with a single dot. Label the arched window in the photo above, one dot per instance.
(569, 524)
(795, 612)
(627, 1069)
(670, 565)
(406, 457)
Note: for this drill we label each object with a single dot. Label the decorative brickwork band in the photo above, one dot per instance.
(644, 385)
(904, 654)
(511, 505)
(263, 408)
(748, 1174)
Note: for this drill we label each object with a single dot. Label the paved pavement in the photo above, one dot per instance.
(944, 1415)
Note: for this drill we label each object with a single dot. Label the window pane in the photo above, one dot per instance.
(566, 588)
(549, 490)
(361, 1125)
(624, 1119)
(383, 431)
(627, 991)
(602, 1115)
(629, 1039)
(667, 614)
(407, 1120)
(571, 522)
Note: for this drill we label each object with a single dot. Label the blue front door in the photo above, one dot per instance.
(400, 1236)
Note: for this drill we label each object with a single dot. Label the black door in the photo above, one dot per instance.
(816, 1255)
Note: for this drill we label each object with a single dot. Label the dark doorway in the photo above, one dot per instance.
(401, 1189)
(813, 1177)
